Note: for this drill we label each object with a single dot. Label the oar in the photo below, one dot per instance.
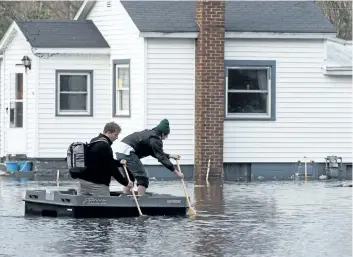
(191, 210)
(133, 193)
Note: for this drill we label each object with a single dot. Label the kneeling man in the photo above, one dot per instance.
(141, 144)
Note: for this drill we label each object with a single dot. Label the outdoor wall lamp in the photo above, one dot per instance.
(26, 62)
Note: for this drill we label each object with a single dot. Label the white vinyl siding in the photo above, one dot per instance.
(313, 111)
(125, 43)
(55, 133)
(171, 93)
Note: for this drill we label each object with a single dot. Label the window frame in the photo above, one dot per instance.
(270, 65)
(16, 100)
(74, 113)
(123, 63)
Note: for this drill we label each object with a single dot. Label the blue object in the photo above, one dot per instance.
(25, 166)
(24, 179)
(11, 166)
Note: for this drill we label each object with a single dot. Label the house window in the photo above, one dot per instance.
(16, 102)
(74, 93)
(121, 87)
(250, 90)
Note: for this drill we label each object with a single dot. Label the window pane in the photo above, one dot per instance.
(73, 102)
(123, 100)
(16, 115)
(247, 79)
(73, 83)
(247, 102)
(19, 86)
(123, 77)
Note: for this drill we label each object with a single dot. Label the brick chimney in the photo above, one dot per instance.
(209, 88)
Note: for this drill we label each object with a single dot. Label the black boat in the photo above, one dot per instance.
(57, 203)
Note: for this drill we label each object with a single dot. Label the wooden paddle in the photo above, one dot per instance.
(133, 193)
(191, 211)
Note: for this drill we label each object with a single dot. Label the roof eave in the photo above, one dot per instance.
(89, 50)
(242, 35)
(279, 35)
(169, 34)
(14, 28)
(84, 10)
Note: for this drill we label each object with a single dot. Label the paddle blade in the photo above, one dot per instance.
(191, 212)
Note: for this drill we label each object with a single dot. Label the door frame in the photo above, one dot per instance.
(18, 132)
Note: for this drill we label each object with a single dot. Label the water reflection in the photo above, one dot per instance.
(209, 203)
(233, 220)
(253, 214)
(86, 237)
(103, 237)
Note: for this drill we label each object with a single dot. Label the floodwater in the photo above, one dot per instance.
(267, 219)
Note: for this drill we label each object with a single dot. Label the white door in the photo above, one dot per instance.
(15, 110)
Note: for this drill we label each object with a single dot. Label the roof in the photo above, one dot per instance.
(339, 54)
(240, 16)
(62, 34)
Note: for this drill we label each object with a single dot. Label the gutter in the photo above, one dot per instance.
(341, 68)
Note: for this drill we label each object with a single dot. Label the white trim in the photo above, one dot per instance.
(80, 10)
(145, 83)
(12, 98)
(275, 35)
(169, 35)
(325, 50)
(268, 114)
(230, 35)
(340, 68)
(117, 90)
(337, 71)
(91, 51)
(84, 10)
(3, 128)
(36, 65)
(9, 34)
(88, 92)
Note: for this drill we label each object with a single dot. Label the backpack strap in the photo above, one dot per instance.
(72, 155)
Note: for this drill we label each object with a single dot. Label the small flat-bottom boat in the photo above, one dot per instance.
(56, 203)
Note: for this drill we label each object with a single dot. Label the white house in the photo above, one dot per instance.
(134, 62)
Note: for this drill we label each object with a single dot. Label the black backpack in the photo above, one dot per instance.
(76, 157)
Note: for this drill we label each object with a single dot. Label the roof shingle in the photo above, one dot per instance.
(240, 16)
(62, 34)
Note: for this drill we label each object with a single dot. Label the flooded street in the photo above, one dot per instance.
(272, 219)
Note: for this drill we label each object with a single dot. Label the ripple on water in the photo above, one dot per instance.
(239, 219)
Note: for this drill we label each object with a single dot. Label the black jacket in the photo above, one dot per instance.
(148, 143)
(101, 165)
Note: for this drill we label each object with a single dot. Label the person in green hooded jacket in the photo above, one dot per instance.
(148, 142)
